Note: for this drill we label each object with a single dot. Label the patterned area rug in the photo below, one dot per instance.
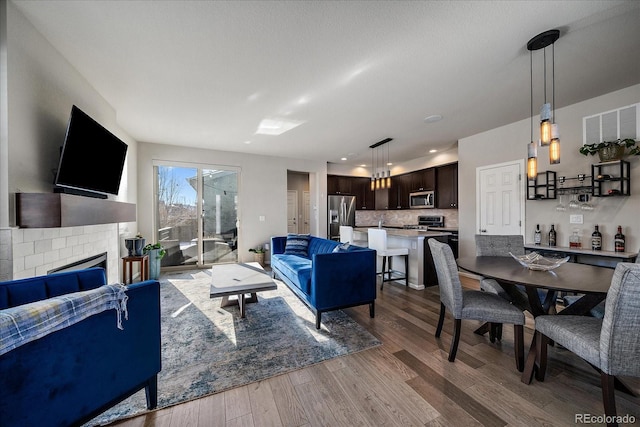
(207, 349)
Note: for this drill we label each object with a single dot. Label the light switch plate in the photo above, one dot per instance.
(575, 219)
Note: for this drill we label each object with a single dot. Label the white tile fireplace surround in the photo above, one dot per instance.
(28, 252)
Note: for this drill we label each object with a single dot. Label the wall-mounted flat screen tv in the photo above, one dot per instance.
(92, 158)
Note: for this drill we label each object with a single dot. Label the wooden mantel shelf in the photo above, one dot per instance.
(51, 210)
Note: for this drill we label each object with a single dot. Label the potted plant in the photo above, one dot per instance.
(259, 254)
(611, 150)
(156, 252)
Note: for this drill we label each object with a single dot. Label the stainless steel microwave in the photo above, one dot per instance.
(422, 200)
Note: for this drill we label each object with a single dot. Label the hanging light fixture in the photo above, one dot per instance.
(549, 133)
(380, 180)
(532, 149)
(388, 169)
(554, 147)
(373, 175)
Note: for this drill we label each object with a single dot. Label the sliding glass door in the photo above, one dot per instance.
(196, 214)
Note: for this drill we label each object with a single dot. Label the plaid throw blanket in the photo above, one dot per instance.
(25, 323)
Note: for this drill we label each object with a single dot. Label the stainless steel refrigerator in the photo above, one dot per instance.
(342, 211)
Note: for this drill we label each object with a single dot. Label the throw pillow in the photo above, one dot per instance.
(297, 244)
(342, 248)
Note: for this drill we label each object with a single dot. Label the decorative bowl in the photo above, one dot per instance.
(535, 261)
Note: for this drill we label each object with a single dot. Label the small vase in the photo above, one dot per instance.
(130, 245)
(611, 153)
(138, 246)
(154, 263)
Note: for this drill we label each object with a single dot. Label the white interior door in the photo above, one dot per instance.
(306, 212)
(500, 198)
(292, 211)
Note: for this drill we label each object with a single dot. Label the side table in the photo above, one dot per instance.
(128, 261)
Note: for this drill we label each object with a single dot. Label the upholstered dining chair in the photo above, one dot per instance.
(598, 310)
(498, 245)
(472, 304)
(611, 344)
(378, 242)
(501, 245)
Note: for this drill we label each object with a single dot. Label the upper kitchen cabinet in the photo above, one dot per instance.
(365, 198)
(337, 184)
(401, 186)
(422, 180)
(447, 186)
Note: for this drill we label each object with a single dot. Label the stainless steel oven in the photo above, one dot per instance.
(422, 200)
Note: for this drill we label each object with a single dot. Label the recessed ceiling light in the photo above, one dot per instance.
(343, 159)
(433, 118)
(363, 166)
(247, 142)
(433, 150)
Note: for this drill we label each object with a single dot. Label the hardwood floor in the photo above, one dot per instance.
(408, 381)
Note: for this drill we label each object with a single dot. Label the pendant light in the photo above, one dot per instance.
(554, 147)
(532, 150)
(549, 132)
(380, 180)
(373, 175)
(388, 169)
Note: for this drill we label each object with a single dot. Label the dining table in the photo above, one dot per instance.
(589, 281)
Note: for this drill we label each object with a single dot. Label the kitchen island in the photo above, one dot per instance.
(421, 270)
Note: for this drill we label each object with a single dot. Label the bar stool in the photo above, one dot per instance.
(378, 242)
(346, 235)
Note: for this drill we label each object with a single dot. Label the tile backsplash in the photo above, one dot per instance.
(404, 217)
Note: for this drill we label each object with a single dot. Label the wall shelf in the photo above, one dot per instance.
(615, 179)
(52, 210)
(543, 187)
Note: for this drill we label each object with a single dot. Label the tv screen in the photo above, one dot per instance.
(92, 158)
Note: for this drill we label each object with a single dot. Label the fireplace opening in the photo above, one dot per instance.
(99, 260)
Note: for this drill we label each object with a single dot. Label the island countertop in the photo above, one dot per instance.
(406, 232)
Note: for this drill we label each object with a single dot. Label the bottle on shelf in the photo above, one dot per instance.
(596, 240)
(552, 236)
(537, 237)
(619, 240)
(574, 240)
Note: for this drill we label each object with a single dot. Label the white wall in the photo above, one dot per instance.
(509, 143)
(39, 86)
(263, 190)
(436, 159)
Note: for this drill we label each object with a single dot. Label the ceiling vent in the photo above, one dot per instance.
(621, 123)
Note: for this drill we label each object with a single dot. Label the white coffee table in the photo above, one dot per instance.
(239, 279)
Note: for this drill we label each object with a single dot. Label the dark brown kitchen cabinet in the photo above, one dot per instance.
(401, 185)
(337, 184)
(422, 180)
(447, 186)
(365, 198)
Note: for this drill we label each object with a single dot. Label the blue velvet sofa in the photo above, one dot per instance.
(69, 376)
(326, 280)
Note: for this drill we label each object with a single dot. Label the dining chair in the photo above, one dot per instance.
(598, 310)
(378, 242)
(501, 245)
(498, 245)
(611, 345)
(472, 304)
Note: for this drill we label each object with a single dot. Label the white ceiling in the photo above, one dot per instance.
(205, 73)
